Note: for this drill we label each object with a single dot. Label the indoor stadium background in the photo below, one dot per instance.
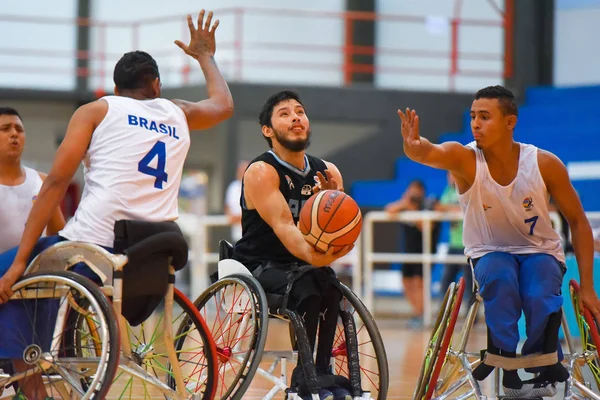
(354, 63)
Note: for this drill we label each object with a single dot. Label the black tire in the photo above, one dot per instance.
(252, 360)
(375, 335)
(105, 308)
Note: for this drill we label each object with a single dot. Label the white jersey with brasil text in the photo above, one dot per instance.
(132, 169)
(512, 218)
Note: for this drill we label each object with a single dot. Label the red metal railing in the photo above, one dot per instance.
(235, 49)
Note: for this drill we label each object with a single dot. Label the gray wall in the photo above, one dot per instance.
(356, 128)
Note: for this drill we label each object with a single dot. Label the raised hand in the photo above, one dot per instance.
(325, 183)
(410, 127)
(202, 39)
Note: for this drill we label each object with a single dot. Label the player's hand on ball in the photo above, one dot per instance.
(202, 39)
(325, 183)
(320, 259)
(410, 127)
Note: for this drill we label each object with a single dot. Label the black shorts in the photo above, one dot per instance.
(310, 281)
(410, 270)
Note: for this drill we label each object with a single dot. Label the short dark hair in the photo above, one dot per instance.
(135, 70)
(9, 111)
(505, 97)
(266, 113)
(418, 183)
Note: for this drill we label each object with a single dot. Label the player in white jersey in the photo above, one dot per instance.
(19, 185)
(133, 147)
(504, 188)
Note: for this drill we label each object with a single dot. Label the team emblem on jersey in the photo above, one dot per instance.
(306, 190)
(528, 203)
(486, 207)
(34, 198)
(289, 181)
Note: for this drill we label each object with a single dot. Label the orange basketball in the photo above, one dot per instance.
(330, 218)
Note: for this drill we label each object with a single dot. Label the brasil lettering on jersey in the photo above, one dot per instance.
(145, 123)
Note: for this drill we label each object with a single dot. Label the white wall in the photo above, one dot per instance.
(576, 32)
(435, 36)
(285, 28)
(306, 41)
(37, 54)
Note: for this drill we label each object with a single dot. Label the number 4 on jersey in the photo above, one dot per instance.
(158, 150)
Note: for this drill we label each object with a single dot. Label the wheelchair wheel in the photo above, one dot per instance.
(435, 355)
(590, 339)
(235, 310)
(193, 345)
(44, 302)
(373, 362)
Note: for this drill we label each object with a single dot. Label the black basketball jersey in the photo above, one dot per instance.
(259, 243)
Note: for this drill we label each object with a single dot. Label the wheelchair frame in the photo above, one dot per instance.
(230, 269)
(455, 366)
(109, 267)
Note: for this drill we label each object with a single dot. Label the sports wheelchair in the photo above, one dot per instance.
(104, 329)
(237, 310)
(447, 371)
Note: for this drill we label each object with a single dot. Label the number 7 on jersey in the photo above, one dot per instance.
(159, 150)
(532, 221)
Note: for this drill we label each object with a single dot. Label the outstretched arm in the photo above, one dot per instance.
(559, 186)
(219, 105)
(261, 192)
(451, 156)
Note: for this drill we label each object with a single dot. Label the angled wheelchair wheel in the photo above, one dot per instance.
(373, 364)
(45, 330)
(590, 339)
(235, 310)
(441, 336)
(193, 347)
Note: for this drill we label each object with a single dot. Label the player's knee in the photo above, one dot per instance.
(541, 300)
(502, 283)
(496, 268)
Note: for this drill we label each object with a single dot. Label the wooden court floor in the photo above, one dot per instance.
(404, 347)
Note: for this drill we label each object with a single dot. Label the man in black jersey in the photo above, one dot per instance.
(274, 188)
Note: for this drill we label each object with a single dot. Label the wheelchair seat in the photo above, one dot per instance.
(151, 248)
(358, 354)
(225, 268)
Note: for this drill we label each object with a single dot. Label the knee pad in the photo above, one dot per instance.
(556, 372)
(551, 333)
(483, 370)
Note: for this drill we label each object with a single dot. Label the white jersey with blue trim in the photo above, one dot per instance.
(16, 205)
(132, 168)
(513, 218)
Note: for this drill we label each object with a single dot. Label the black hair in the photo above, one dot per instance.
(506, 99)
(9, 111)
(266, 113)
(135, 70)
(419, 183)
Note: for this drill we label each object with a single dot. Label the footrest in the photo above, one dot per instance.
(528, 361)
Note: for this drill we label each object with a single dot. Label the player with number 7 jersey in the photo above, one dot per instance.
(504, 189)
